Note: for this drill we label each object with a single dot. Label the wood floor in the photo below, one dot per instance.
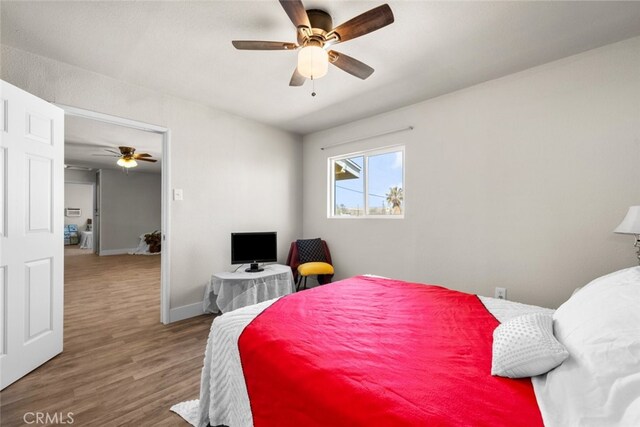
(120, 366)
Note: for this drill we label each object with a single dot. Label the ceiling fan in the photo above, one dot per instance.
(128, 157)
(315, 36)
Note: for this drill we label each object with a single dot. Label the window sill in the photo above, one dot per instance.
(367, 217)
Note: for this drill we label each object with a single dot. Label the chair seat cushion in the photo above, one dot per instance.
(313, 268)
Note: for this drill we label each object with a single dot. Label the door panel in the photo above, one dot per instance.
(3, 310)
(3, 116)
(39, 199)
(3, 191)
(31, 242)
(39, 302)
(39, 128)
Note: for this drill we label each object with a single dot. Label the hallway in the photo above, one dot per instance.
(120, 365)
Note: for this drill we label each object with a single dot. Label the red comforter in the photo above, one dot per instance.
(378, 352)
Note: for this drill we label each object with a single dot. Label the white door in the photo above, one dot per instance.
(31, 232)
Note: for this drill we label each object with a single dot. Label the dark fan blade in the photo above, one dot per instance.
(146, 160)
(350, 65)
(108, 155)
(297, 79)
(113, 151)
(366, 23)
(296, 12)
(138, 155)
(262, 45)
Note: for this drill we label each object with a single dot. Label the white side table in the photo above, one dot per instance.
(86, 240)
(229, 291)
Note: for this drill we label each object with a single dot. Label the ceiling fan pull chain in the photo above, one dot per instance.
(313, 86)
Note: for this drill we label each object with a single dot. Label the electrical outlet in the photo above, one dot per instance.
(177, 194)
(501, 293)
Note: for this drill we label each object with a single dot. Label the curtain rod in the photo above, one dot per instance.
(369, 137)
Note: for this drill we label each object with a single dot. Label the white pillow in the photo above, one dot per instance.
(525, 347)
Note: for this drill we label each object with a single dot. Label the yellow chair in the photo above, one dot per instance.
(317, 261)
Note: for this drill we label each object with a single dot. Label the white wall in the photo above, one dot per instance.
(71, 175)
(78, 196)
(130, 206)
(517, 182)
(237, 174)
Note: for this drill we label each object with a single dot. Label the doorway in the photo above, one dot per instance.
(79, 217)
(101, 240)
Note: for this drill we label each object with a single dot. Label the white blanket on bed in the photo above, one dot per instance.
(223, 391)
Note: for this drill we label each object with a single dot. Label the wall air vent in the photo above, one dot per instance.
(73, 212)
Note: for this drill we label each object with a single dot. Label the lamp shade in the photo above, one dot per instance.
(313, 62)
(631, 223)
(127, 163)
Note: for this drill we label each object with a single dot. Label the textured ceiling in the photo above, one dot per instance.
(184, 49)
(86, 141)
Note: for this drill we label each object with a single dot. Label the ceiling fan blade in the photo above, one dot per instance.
(296, 12)
(262, 45)
(147, 160)
(366, 23)
(297, 79)
(138, 155)
(350, 65)
(112, 151)
(108, 155)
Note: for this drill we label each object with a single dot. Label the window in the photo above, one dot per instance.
(367, 184)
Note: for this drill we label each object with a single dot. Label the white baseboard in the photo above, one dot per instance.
(185, 312)
(107, 252)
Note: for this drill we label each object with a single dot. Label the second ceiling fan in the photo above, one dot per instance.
(127, 157)
(316, 34)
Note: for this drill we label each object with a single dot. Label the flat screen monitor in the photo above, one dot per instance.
(252, 248)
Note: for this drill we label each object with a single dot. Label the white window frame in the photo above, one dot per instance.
(365, 172)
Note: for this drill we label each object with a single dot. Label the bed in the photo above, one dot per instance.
(375, 351)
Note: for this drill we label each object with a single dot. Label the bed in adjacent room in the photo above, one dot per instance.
(375, 351)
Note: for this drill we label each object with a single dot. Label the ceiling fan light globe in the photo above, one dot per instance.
(313, 62)
(127, 163)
